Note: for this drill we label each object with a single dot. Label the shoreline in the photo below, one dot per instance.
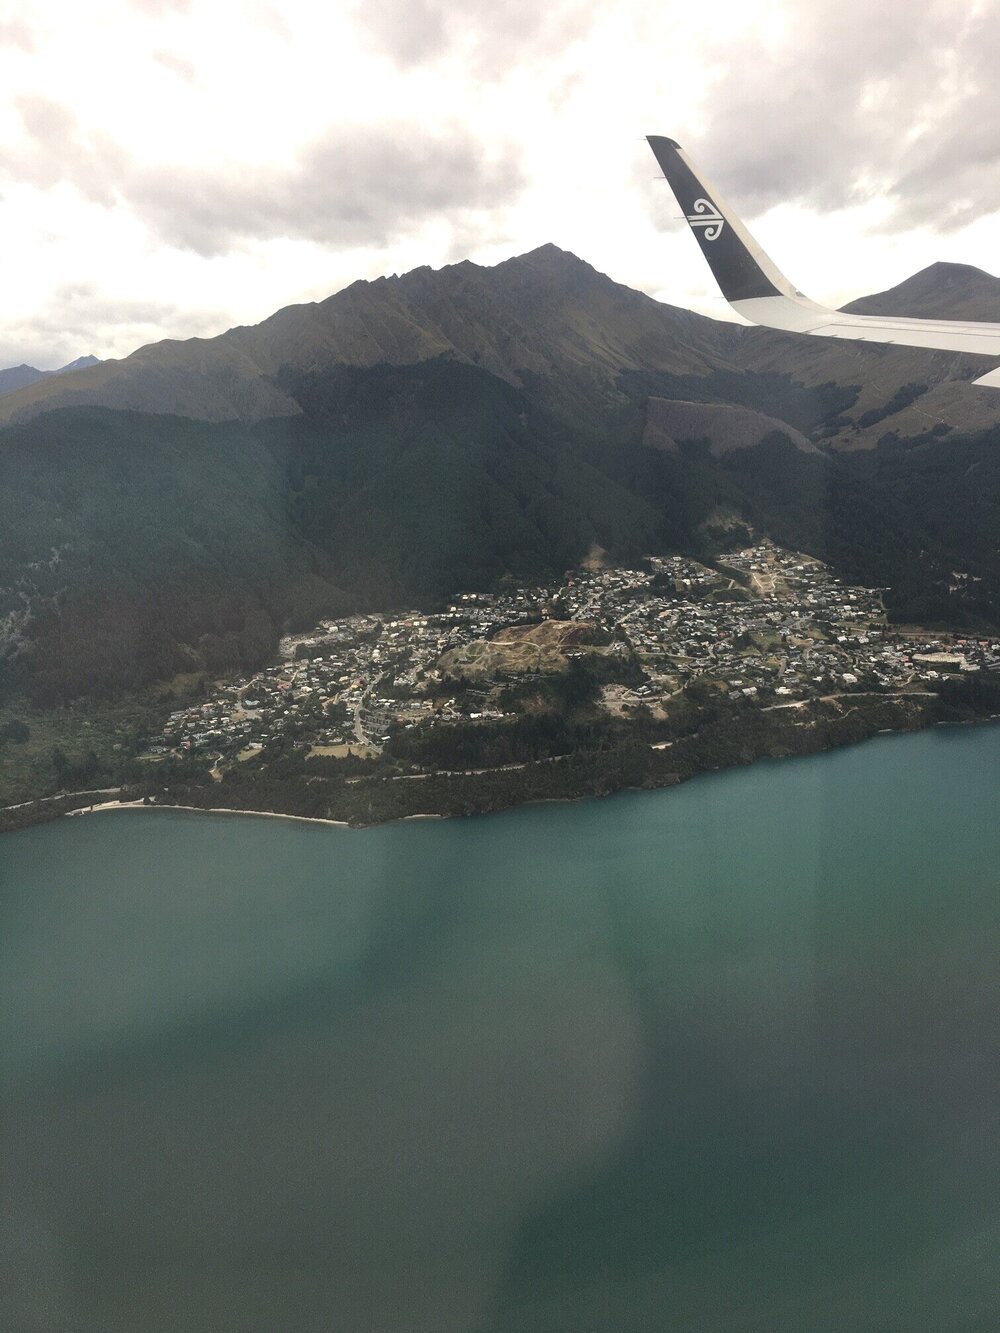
(214, 810)
(227, 810)
(667, 780)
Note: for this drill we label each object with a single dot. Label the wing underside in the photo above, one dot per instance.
(760, 292)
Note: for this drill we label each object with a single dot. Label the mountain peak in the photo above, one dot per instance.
(942, 290)
(550, 253)
(947, 270)
(549, 259)
(81, 363)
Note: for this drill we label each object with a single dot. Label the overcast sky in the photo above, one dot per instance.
(175, 167)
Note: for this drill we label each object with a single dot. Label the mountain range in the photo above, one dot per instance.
(177, 508)
(19, 377)
(542, 316)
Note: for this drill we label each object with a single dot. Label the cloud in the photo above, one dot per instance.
(16, 33)
(184, 69)
(492, 38)
(58, 150)
(78, 319)
(858, 101)
(160, 8)
(350, 187)
(44, 120)
(951, 172)
(419, 36)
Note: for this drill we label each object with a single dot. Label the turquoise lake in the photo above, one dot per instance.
(717, 1059)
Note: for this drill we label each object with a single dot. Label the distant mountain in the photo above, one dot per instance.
(942, 291)
(19, 377)
(81, 363)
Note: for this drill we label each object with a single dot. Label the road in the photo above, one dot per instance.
(361, 735)
(359, 731)
(59, 795)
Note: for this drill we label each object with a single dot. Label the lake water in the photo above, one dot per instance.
(718, 1058)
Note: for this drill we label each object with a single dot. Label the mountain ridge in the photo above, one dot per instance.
(19, 377)
(524, 316)
(543, 316)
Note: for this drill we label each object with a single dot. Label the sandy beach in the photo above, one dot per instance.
(205, 810)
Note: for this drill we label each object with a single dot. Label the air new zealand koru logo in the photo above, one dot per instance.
(708, 216)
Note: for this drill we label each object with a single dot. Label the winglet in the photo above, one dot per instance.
(741, 268)
(760, 292)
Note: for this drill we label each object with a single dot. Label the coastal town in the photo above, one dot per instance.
(770, 626)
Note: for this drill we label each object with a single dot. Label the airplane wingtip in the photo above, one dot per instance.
(760, 292)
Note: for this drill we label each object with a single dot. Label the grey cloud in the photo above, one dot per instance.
(15, 32)
(492, 37)
(157, 8)
(80, 319)
(81, 305)
(827, 118)
(57, 149)
(411, 36)
(45, 119)
(184, 69)
(351, 187)
(274, 19)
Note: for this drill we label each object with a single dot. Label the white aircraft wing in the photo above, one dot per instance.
(761, 293)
